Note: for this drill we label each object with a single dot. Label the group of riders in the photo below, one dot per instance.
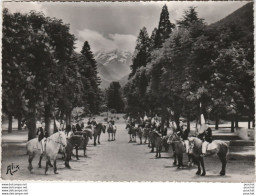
(204, 132)
(69, 130)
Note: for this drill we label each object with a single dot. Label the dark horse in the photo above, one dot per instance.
(97, 132)
(178, 149)
(147, 134)
(221, 149)
(78, 142)
(156, 141)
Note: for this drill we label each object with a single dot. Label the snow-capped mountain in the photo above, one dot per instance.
(113, 65)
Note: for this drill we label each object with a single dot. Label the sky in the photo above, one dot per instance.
(116, 25)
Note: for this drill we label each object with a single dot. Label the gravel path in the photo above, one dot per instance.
(122, 161)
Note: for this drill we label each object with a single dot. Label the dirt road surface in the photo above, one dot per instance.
(122, 161)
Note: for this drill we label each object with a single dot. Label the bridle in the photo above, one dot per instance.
(170, 140)
(58, 142)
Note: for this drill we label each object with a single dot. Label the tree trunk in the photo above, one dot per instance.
(168, 119)
(19, 123)
(232, 125)
(163, 118)
(188, 122)
(68, 118)
(31, 124)
(236, 121)
(216, 121)
(253, 122)
(9, 123)
(177, 120)
(47, 119)
(249, 122)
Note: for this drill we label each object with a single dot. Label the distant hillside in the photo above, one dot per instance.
(242, 17)
(240, 22)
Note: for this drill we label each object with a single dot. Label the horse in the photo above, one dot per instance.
(131, 132)
(165, 143)
(195, 149)
(68, 153)
(52, 147)
(86, 134)
(156, 140)
(97, 132)
(178, 149)
(111, 130)
(76, 141)
(147, 134)
(139, 132)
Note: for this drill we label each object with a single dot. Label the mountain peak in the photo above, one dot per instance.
(116, 64)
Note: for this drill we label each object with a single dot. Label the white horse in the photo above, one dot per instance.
(51, 149)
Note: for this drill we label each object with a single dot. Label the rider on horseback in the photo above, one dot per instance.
(206, 136)
(93, 123)
(42, 136)
(89, 122)
(183, 133)
(112, 122)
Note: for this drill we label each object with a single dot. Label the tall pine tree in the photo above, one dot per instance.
(91, 72)
(165, 28)
(141, 52)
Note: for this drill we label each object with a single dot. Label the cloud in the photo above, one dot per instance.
(110, 42)
(24, 7)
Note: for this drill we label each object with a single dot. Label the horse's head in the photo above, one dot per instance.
(191, 141)
(101, 127)
(173, 137)
(89, 134)
(104, 128)
(62, 138)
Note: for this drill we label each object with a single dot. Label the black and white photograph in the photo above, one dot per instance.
(128, 91)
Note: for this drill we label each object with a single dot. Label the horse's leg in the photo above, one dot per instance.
(112, 136)
(197, 161)
(76, 153)
(55, 167)
(141, 140)
(160, 149)
(67, 159)
(84, 147)
(40, 159)
(46, 166)
(153, 146)
(94, 138)
(202, 163)
(189, 159)
(145, 140)
(99, 139)
(30, 159)
(174, 154)
(180, 157)
(224, 163)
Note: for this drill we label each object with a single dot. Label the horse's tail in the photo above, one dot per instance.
(28, 146)
(226, 147)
